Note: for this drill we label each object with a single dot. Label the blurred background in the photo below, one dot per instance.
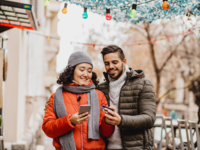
(32, 60)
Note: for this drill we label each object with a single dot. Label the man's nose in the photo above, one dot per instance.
(111, 66)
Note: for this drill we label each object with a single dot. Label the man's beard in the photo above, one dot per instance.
(119, 73)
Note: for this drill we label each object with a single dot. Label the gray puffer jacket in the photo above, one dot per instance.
(137, 109)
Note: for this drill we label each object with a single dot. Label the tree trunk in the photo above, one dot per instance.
(155, 66)
(157, 88)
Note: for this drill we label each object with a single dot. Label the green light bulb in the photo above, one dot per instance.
(133, 13)
(46, 2)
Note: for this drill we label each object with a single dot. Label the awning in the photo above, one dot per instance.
(16, 15)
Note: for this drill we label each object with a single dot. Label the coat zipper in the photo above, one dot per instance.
(81, 128)
(126, 81)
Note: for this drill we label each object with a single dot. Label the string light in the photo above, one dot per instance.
(165, 5)
(143, 43)
(46, 2)
(93, 46)
(133, 12)
(48, 38)
(64, 10)
(108, 16)
(85, 15)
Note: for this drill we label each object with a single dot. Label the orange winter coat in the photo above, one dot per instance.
(54, 127)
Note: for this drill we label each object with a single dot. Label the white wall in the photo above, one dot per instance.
(15, 87)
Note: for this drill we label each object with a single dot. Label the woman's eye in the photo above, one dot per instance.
(81, 70)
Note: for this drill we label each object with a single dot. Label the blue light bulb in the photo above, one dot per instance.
(85, 15)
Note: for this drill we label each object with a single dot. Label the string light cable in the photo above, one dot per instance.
(142, 43)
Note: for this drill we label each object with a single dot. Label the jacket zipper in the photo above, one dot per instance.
(81, 127)
(126, 81)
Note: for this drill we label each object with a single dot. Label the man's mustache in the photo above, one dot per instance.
(112, 69)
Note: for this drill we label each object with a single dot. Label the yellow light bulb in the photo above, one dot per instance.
(64, 10)
(165, 5)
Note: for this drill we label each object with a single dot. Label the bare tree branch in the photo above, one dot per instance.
(171, 54)
(172, 89)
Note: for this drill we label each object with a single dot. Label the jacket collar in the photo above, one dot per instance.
(74, 83)
(131, 74)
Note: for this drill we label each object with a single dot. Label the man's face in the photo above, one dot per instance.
(114, 65)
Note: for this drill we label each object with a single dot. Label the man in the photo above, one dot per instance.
(132, 98)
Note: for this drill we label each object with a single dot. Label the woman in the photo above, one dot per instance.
(69, 130)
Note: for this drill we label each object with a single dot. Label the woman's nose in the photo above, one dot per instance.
(85, 73)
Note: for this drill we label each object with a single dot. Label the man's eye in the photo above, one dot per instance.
(106, 64)
(114, 62)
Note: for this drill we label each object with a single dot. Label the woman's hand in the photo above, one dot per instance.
(79, 119)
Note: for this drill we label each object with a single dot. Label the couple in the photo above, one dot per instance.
(130, 96)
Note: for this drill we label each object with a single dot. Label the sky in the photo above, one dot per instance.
(73, 28)
(70, 29)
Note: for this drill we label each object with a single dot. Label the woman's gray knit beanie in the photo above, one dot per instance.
(78, 58)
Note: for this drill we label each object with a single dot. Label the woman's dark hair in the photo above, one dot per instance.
(67, 76)
(113, 49)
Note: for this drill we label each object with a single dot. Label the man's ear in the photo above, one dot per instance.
(124, 61)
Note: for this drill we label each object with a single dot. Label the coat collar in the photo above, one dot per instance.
(131, 74)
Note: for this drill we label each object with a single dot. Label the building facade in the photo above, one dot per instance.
(31, 74)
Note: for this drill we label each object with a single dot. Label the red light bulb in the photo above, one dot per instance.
(165, 5)
(108, 16)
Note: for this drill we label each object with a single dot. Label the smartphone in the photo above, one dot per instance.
(84, 108)
(103, 107)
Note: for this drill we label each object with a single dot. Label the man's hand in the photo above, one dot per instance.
(112, 117)
(46, 105)
(79, 119)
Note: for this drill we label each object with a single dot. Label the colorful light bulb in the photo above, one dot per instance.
(133, 12)
(108, 16)
(165, 5)
(46, 2)
(85, 15)
(64, 10)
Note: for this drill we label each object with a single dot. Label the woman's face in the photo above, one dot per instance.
(83, 73)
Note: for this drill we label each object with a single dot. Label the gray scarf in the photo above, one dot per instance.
(67, 140)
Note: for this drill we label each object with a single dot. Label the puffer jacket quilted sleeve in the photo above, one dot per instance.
(146, 108)
(52, 126)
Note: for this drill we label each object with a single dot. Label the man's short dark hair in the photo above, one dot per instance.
(113, 49)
